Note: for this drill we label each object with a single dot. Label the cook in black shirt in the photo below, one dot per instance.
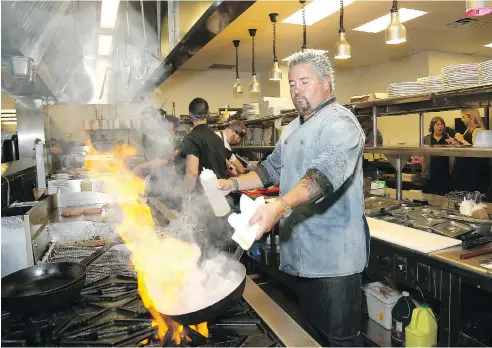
(436, 169)
(202, 148)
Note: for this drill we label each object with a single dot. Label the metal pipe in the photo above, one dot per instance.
(159, 54)
(143, 24)
(399, 194)
(486, 114)
(375, 126)
(421, 128)
(8, 190)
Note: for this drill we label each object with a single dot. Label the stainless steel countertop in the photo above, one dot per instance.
(286, 329)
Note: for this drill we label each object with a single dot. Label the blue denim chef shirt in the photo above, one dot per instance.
(329, 238)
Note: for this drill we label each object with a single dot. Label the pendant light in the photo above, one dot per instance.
(342, 48)
(254, 85)
(395, 32)
(237, 86)
(275, 73)
(304, 29)
(476, 8)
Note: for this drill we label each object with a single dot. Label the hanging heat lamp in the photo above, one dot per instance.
(304, 29)
(237, 88)
(395, 32)
(477, 8)
(275, 73)
(254, 85)
(342, 48)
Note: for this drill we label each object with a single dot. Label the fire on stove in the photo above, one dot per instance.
(110, 312)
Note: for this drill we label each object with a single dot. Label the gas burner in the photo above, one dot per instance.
(109, 312)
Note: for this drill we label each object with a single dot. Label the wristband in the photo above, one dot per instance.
(235, 185)
(287, 209)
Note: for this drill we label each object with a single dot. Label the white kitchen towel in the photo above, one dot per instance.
(244, 234)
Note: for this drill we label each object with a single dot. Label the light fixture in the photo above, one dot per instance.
(275, 73)
(488, 45)
(316, 10)
(109, 13)
(395, 32)
(304, 29)
(379, 24)
(342, 48)
(477, 8)
(254, 85)
(104, 44)
(237, 88)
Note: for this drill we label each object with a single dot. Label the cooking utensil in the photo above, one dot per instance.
(451, 229)
(212, 310)
(47, 285)
(475, 253)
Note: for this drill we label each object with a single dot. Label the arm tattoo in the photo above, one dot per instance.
(314, 191)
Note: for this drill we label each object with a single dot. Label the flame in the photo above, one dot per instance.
(160, 263)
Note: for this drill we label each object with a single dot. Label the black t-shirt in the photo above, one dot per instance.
(209, 148)
(439, 165)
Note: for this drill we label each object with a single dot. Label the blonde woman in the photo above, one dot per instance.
(470, 174)
(473, 122)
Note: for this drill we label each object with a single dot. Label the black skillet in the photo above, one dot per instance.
(47, 285)
(213, 310)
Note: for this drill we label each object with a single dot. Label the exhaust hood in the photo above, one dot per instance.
(78, 61)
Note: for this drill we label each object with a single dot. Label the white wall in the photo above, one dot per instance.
(215, 86)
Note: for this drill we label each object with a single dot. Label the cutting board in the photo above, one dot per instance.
(410, 238)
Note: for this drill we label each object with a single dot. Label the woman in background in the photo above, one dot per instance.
(470, 174)
(436, 169)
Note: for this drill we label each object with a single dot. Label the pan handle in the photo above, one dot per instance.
(95, 255)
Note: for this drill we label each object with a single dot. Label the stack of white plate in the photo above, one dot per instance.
(461, 75)
(405, 88)
(250, 111)
(431, 83)
(485, 72)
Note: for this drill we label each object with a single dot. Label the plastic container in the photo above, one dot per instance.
(380, 301)
(215, 196)
(422, 330)
(401, 315)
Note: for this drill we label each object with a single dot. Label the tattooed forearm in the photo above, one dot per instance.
(314, 191)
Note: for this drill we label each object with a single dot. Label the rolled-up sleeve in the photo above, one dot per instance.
(269, 169)
(338, 155)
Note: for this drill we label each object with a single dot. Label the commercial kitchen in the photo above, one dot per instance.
(93, 256)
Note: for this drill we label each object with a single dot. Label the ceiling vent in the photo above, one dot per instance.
(463, 23)
(221, 67)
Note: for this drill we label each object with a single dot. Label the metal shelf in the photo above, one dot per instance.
(432, 151)
(477, 96)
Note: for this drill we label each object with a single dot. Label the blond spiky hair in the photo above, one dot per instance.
(322, 66)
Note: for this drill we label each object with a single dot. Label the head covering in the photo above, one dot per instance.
(238, 127)
(198, 109)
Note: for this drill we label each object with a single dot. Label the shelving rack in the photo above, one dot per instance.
(476, 97)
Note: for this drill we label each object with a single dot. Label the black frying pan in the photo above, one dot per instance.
(213, 310)
(47, 285)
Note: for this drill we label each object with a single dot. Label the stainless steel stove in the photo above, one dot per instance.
(109, 312)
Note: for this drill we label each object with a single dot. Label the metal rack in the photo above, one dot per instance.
(455, 99)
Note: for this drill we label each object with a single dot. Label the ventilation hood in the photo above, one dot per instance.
(62, 38)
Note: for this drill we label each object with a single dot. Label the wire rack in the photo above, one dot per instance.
(455, 198)
(114, 261)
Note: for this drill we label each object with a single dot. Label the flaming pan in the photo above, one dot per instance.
(208, 311)
(47, 285)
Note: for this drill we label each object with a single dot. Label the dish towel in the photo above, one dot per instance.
(244, 234)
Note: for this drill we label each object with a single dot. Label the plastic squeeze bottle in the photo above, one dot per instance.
(215, 196)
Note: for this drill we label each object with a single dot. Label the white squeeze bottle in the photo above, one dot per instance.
(215, 196)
